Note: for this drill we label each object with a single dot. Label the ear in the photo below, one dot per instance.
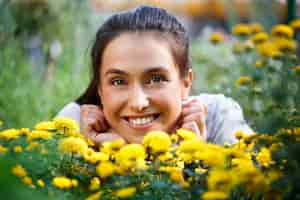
(187, 84)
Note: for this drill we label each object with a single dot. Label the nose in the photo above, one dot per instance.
(138, 99)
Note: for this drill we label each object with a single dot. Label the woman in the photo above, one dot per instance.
(141, 81)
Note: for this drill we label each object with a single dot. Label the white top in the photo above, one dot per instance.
(224, 117)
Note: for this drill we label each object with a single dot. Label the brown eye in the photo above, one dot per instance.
(156, 79)
(117, 82)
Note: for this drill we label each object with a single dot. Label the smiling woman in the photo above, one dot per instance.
(141, 82)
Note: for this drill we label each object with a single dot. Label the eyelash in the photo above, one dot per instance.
(116, 82)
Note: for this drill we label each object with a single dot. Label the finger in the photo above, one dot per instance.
(191, 110)
(199, 119)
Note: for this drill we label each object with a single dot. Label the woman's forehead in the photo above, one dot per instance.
(137, 52)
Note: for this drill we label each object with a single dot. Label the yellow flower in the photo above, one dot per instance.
(259, 63)
(297, 69)
(157, 141)
(267, 49)
(39, 135)
(73, 145)
(216, 37)
(32, 145)
(256, 28)
(219, 179)
(130, 156)
(3, 149)
(125, 192)
(19, 171)
(66, 125)
(93, 157)
(95, 196)
(25, 131)
(243, 80)
(185, 134)
(239, 135)
(284, 45)
(18, 149)
(45, 126)
(40, 183)
(94, 184)
(10, 134)
(62, 182)
(27, 180)
(213, 156)
(112, 147)
(105, 169)
(259, 38)
(214, 195)
(241, 29)
(264, 157)
(295, 24)
(282, 30)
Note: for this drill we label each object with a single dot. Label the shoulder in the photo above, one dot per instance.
(71, 110)
(224, 118)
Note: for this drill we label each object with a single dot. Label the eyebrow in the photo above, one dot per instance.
(150, 70)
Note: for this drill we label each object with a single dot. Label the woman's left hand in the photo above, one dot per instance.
(193, 117)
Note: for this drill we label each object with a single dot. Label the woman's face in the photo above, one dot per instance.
(140, 88)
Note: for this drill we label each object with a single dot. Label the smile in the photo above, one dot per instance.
(141, 122)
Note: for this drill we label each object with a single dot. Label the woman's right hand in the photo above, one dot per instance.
(93, 125)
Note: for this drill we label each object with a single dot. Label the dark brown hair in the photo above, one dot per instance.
(141, 19)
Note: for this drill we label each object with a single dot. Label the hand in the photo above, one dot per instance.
(193, 117)
(93, 125)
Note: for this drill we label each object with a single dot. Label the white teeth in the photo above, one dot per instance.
(142, 120)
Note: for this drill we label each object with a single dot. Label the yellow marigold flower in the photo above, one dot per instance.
(112, 147)
(191, 146)
(105, 169)
(214, 195)
(297, 69)
(219, 179)
(3, 149)
(186, 134)
(216, 37)
(259, 38)
(243, 80)
(39, 135)
(40, 183)
(239, 134)
(62, 182)
(157, 141)
(74, 182)
(259, 63)
(284, 45)
(94, 184)
(176, 175)
(165, 156)
(73, 145)
(25, 131)
(130, 155)
(211, 157)
(282, 30)
(125, 192)
(174, 138)
(27, 180)
(241, 29)
(45, 126)
(32, 145)
(18, 149)
(264, 157)
(295, 24)
(256, 28)
(66, 125)
(93, 157)
(10, 134)
(19, 171)
(95, 196)
(267, 49)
